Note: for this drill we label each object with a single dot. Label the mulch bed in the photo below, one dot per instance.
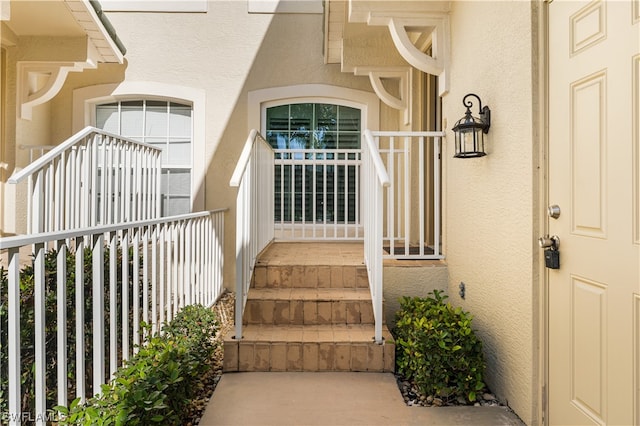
(224, 309)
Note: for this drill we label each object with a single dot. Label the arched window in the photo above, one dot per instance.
(165, 124)
(317, 152)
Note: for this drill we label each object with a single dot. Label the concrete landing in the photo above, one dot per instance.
(332, 399)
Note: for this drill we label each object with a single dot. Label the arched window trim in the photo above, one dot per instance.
(85, 100)
(259, 100)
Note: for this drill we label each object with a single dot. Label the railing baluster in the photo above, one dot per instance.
(155, 242)
(145, 275)
(421, 188)
(61, 306)
(163, 264)
(407, 194)
(81, 391)
(113, 291)
(39, 333)
(136, 289)
(125, 294)
(186, 262)
(14, 362)
(98, 312)
(436, 196)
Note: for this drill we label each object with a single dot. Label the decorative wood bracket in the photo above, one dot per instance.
(402, 75)
(436, 25)
(39, 81)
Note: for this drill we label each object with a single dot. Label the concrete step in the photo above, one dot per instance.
(309, 348)
(268, 275)
(309, 306)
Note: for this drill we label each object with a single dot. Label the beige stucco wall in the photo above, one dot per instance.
(411, 278)
(17, 131)
(491, 201)
(226, 53)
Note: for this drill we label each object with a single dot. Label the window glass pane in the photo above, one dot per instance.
(179, 120)
(348, 119)
(326, 117)
(156, 119)
(278, 118)
(278, 140)
(301, 117)
(107, 117)
(349, 141)
(131, 118)
(179, 182)
(179, 152)
(162, 144)
(172, 205)
(300, 140)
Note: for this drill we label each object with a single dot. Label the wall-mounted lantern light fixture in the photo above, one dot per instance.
(470, 130)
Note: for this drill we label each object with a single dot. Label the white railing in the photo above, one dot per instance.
(254, 178)
(136, 272)
(317, 194)
(376, 177)
(401, 203)
(412, 225)
(93, 178)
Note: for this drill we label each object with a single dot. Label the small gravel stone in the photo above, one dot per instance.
(488, 397)
(429, 400)
(437, 402)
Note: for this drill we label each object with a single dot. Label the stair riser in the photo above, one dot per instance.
(308, 356)
(311, 312)
(310, 276)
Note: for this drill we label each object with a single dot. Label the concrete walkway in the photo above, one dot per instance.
(332, 399)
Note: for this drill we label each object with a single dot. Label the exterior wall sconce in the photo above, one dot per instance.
(470, 130)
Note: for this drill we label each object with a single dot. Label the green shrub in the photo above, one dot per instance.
(437, 349)
(27, 324)
(157, 384)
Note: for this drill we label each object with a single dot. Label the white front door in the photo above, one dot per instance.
(594, 178)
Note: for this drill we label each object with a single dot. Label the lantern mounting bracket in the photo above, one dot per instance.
(484, 112)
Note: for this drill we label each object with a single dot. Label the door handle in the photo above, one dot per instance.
(552, 242)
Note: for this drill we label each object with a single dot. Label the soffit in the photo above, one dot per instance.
(63, 18)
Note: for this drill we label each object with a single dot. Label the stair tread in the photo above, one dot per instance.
(317, 294)
(334, 333)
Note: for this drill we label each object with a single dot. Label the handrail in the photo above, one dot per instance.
(94, 177)
(70, 142)
(254, 178)
(44, 237)
(381, 171)
(243, 161)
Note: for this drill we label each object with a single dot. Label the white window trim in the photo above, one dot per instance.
(259, 100)
(85, 100)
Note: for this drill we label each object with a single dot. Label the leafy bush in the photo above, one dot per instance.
(27, 324)
(157, 384)
(437, 349)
